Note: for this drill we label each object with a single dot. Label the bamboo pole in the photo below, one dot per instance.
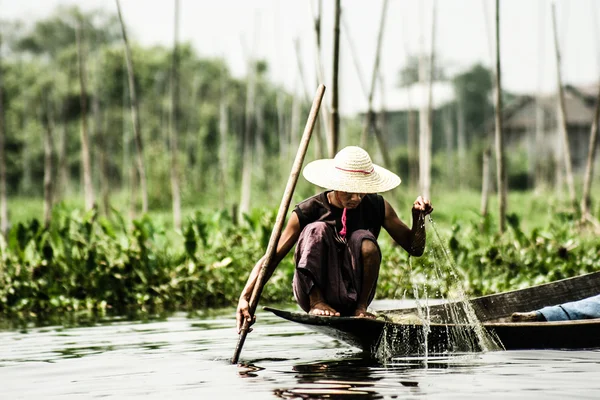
(563, 127)
(323, 123)
(85, 142)
(3, 197)
(499, 137)
(591, 158)
(370, 114)
(317, 132)
(283, 208)
(485, 181)
(135, 115)
(370, 122)
(540, 126)
(426, 116)
(335, 116)
(63, 184)
(173, 134)
(46, 108)
(248, 143)
(223, 141)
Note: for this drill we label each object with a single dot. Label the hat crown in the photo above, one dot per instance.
(353, 159)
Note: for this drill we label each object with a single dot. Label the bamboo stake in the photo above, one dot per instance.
(135, 115)
(248, 142)
(500, 157)
(325, 113)
(589, 168)
(370, 114)
(85, 143)
(563, 116)
(173, 134)
(3, 199)
(46, 108)
(283, 208)
(426, 115)
(317, 132)
(335, 116)
(485, 182)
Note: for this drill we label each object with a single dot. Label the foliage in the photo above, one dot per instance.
(86, 266)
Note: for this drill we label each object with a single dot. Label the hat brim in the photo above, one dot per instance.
(324, 174)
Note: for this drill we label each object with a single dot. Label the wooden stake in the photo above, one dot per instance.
(335, 116)
(135, 115)
(3, 197)
(500, 158)
(283, 208)
(589, 168)
(563, 116)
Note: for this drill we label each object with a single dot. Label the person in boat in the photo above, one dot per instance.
(587, 308)
(337, 256)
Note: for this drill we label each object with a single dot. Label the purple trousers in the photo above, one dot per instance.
(335, 268)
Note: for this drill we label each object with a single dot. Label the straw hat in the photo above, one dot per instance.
(350, 171)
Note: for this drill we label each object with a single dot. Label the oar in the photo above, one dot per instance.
(283, 208)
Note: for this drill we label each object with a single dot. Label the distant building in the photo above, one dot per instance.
(532, 124)
(398, 102)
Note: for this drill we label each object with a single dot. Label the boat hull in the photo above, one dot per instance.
(394, 338)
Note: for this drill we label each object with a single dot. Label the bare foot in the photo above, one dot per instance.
(323, 309)
(526, 317)
(363, 313)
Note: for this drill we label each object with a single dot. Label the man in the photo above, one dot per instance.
(337, 255)
(588, 308)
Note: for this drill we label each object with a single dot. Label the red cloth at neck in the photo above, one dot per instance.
(343, 231)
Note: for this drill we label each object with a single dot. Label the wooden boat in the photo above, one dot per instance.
(403, 332)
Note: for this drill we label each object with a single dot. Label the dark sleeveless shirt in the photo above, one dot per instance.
(369, 214)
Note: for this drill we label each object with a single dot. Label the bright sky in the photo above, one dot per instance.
(267, 29)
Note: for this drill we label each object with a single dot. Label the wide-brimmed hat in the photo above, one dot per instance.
(350, 171)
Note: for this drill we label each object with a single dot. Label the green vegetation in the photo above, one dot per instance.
(85, 266)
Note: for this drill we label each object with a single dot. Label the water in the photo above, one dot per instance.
(184, 358)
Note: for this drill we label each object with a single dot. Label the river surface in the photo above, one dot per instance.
(183, 358)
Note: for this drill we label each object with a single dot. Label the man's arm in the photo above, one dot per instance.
(288, 239)
(412, 240)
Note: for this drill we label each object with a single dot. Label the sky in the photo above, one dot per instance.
(464, 35)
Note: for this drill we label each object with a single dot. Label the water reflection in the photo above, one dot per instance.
(360, 376)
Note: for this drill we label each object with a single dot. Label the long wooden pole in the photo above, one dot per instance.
(589, 168)
(283, 208)
(135, 115)
(3, 198)
(85, 142)
(370, 113)
(500, 158)
(335, 116)
(173, 133)
(563, 116)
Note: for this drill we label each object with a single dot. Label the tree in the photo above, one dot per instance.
(409, 73)
(473, 89)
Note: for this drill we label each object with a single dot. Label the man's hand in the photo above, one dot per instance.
(421, 206)
(243, 313)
